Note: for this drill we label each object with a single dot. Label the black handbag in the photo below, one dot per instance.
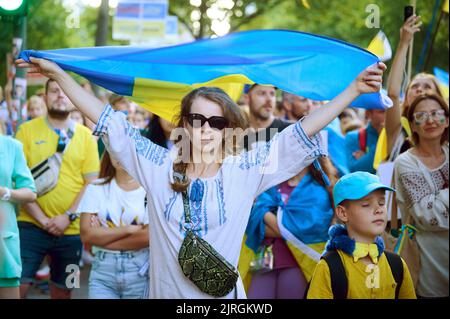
(202, 264)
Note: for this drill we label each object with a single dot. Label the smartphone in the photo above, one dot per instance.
(408, 11)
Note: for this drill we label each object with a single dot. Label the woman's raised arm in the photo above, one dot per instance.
(368, 81)
(395, 79)
(87, 103)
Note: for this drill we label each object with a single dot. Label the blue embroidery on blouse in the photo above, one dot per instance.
(195, 201)
(154, 153)
(221, 202)
(258, 157)
(169, 206)
(308, 144)
(205, 215)
(196, 197)
(101, 126)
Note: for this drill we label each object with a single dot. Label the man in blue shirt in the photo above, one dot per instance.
(361, 144)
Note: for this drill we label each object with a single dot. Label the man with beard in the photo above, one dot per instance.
(296, 106)
(261, 100)
(49, 226)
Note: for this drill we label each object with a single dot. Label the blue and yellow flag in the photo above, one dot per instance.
(442, 78)
(380, 46)
(300, 63)
(445, 6)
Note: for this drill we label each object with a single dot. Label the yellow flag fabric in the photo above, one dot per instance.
(445, 6)
(163, 98)
(381, 152)
(306, 264)
(380, 46)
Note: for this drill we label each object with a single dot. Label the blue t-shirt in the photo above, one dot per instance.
(365, 162)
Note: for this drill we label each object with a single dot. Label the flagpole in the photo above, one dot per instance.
(410, 55)
(433, 40)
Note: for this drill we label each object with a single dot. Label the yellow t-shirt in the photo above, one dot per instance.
(364, 281)
(80, 160)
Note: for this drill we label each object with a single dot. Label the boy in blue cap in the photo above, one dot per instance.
(354, 264)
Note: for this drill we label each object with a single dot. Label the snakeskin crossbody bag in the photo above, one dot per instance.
(202, 264)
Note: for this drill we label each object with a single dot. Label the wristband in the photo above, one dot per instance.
(7, 196)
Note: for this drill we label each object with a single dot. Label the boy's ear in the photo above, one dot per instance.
(341, 213)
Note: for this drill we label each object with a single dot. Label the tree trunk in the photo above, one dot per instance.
(101, 36)
(203, 20)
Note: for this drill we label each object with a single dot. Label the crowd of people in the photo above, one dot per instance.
(297, 210)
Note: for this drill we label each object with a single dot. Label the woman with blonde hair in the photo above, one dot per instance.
(393, 140)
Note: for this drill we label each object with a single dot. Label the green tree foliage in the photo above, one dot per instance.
(47, 29)
(340, 19)
(346, 20)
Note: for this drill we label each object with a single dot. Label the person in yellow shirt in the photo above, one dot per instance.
(50, 225)
(354, 264)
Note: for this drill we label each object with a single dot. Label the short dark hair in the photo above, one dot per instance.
(47, 84)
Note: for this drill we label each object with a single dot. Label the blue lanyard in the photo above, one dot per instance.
(64, 138)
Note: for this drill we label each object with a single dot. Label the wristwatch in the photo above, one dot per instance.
(7, 196)
(72, 216)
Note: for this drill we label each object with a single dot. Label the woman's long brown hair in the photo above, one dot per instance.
(231, 112)
(330, 171)
(107, 170)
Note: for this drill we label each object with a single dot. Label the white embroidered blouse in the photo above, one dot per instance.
(220, 205)
(423, 194)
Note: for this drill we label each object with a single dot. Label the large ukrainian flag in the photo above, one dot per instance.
(300, 63)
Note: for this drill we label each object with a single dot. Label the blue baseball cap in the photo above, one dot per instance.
(356, 185)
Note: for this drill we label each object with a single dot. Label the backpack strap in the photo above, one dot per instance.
(339, 285)
(396, 265)
(338, 277)
(362, 138)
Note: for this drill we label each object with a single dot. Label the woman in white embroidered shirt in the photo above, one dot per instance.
(115, 222)
(421, 179)
(221, 192)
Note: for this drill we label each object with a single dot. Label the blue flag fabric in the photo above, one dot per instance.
(306, 216)
(312, 66)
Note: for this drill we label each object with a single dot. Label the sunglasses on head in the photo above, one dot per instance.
(198, 120)
(436, 115)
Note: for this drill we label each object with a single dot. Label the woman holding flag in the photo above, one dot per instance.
(199, 204)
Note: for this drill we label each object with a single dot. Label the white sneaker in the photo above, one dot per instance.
(43, 273)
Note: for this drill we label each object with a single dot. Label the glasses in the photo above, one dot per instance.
(422, 117)
(216, 122)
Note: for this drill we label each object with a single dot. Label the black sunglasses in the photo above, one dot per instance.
(217, 122)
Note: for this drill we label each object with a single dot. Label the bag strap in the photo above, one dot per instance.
(362, 138)
(187, 211)
(338, 277)
(396, 265)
